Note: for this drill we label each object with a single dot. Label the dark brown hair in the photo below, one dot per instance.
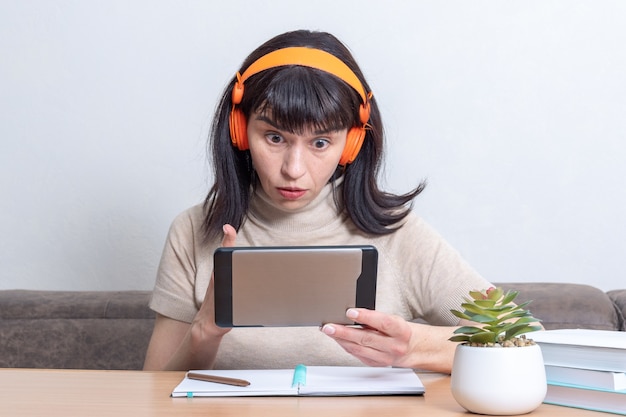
(299, 98)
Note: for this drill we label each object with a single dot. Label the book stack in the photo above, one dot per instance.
(585, 368)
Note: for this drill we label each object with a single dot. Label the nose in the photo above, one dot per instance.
(294, 165)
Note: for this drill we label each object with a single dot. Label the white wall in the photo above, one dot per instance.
(513, 111)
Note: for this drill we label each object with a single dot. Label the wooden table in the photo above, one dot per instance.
(49, 393)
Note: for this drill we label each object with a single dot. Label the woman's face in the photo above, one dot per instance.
(293, 168)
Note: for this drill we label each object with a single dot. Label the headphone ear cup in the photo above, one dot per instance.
(238, 129)
(354, 141)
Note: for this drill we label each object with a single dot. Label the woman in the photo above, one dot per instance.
(297, 144)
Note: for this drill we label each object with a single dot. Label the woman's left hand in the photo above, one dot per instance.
(389, 340)
(383, 339)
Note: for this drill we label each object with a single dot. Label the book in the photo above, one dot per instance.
(305, 381)
(600, 350)
(608, 401)
(586, 377)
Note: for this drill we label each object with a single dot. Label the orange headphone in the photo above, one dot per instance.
(307, 57)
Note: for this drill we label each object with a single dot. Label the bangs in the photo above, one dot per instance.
(299, 98)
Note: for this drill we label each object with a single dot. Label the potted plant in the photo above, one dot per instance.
(497, 370)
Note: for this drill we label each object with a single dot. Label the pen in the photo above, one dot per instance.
(218, 379)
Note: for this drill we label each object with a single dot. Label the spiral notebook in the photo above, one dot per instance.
(305, 381)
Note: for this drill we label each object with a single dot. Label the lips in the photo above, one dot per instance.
(291, 193)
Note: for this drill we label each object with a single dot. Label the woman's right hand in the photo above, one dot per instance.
(176, 345)
(205, 318)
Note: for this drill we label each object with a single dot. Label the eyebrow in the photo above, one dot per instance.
(271, 122)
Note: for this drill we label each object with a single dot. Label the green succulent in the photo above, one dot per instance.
(498, 320)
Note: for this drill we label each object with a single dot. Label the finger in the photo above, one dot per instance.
(207, 309)
(386, 324)
(230, 235)
(364, 344)
(228, 240)
(361, 337)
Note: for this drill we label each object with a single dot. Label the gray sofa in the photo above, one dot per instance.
(110, 330)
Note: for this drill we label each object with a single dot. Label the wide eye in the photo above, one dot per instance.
(321, 143)
(274, 138)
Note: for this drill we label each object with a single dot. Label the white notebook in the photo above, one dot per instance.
(306, 381)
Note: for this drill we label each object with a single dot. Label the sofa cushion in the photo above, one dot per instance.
(619, 299)
(35, 304)
(563, 306)
(74, 329)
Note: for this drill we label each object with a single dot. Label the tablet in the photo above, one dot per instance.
(292, 285)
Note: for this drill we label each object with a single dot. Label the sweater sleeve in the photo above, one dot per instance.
(437, 273)
(175, 287)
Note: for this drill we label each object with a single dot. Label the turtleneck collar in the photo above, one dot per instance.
(322, 212)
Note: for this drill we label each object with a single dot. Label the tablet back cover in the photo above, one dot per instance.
(296, 287)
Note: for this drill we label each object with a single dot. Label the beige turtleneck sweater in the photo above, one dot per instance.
(419, 276)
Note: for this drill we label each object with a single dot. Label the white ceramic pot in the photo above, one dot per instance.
(497, 380)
